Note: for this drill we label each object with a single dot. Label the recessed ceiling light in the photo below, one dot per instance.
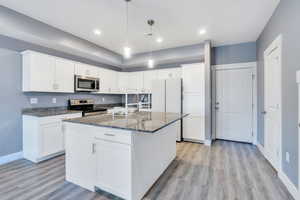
(159, 40)
(202, 31)
(97, 32)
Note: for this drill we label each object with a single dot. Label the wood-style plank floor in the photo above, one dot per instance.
(227, 170)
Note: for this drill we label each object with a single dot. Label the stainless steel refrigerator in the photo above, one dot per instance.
(167, 97)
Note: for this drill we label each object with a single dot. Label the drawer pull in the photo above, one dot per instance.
(107, 134)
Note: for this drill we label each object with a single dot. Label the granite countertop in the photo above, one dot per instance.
(47, 112)
(149, 122)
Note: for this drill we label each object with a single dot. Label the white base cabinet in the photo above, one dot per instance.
(121, 162)
(43, 137)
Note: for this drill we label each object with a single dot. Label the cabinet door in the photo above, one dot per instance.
(148, 77)
(169, 73)
(86, 70)
(114, 168)
(193, 76)
(108, 80)
(64, 75)
(52, 140)
(42, 72)
(194, 128)
(135, 81)
(123, 81)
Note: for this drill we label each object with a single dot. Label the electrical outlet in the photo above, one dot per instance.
(287, 157)
(103, 99)
(34, 100)
(53, 100)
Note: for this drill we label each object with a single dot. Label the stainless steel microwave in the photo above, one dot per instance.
(86, 84)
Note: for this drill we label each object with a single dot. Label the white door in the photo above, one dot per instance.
(272, 106)
(234, 100)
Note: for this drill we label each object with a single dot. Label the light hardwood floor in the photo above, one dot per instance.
(227, 170)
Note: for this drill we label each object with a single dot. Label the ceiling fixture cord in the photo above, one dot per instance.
(127, 49)
(151, 61)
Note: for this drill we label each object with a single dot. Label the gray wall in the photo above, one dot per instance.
(237, 53)
(13, 101)
(285, 21)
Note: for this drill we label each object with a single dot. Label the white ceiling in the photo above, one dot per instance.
(178, 22)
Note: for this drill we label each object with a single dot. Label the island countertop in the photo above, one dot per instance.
(148, 122)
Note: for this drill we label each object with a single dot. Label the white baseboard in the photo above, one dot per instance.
(11, 157)
(261, 149)
(289, 185)
(207, 142)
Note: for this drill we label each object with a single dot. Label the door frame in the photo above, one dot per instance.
(248, 65)
(276, 44)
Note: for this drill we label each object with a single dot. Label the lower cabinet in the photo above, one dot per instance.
(113, 162)
(43, 137)
(51, 138)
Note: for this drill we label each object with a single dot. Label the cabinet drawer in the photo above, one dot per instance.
(123, 137)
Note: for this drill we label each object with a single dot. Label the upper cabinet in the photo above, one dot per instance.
(44, 73)
(193, 77)
(64, 75)
(169, 73)
(135, 81)
(86, 70)
(148, 77)
(108, 81)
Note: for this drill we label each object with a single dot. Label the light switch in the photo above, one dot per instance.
(53, 100)
(34, 100)
(103, 99)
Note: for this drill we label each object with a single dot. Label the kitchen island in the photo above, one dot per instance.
(119, 154)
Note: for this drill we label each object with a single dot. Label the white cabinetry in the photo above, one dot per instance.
(193, 76)
(108, 81)
(123, 81)
(86, 70)
(169, 73)
(135, 81)
(113, 162)
(38, 72)
(43, 137)
(64, 75)
(44, 73)
(148, 77)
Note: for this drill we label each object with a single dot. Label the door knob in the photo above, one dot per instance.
(217, 108)
(264, 112)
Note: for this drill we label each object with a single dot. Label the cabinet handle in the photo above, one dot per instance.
(93, 148)
(107, 134)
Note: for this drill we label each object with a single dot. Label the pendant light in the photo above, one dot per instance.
(150, 60)
(126, 48)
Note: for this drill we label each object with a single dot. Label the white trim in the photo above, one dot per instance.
(277, 43)
(207, 142)
(11, 157)
(261, 149)
(289, 185)
(247, 65)
(234, 66)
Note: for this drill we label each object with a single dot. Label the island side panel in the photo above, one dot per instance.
(152, 154)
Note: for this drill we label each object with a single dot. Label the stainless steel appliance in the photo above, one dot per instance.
(87, 106)
(86, 84)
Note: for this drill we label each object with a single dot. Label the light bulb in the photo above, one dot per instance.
(150, 63)
(127, 52)
(159, 40)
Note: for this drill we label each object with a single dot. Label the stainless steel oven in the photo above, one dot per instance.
(86, 84)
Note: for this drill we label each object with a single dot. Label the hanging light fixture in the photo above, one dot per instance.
(151, 62)
(126, 48)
